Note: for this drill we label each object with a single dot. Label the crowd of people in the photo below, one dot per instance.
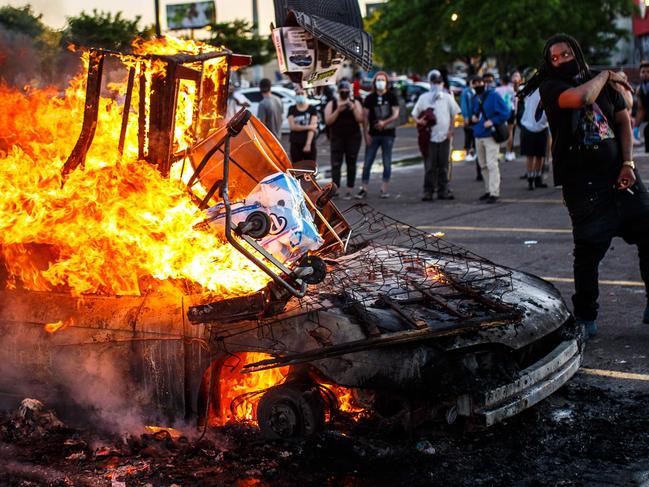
(490, 115)
(590, 120)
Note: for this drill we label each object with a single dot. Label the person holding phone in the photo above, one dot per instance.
(343, 116)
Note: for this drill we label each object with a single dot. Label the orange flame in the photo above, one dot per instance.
(240, 393)
(116, 221)
(59, 325)
(234, 386)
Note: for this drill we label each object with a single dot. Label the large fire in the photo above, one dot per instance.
(113, 224)
(240, 393)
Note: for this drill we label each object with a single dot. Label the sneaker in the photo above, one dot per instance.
(590, 327)
(492, 199)
(384, 195)
(362, 194)
(447, 196)
(427, 197)
(645, 316)
(510, 156)
(484, 197)
(470, 157)
(348, 196)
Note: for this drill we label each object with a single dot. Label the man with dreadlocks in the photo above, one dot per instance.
(591, 151)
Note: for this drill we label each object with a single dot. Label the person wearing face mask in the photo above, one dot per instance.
(343, 116)
(642, 98)
(445, 109)
(303, 122)
(381, 110)
(466, 105)
(489, 110)
(591, 151)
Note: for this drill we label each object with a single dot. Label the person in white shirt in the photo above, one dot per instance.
(445, 109)
(534, 139)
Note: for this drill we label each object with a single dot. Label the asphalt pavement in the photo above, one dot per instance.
(531, 231)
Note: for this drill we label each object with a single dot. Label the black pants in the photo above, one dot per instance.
(469, 139)
(298, 154)
(597, 217)
(436, 168)
(344, 147)
(646, 137)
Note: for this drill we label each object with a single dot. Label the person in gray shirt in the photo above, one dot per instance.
(270, 109)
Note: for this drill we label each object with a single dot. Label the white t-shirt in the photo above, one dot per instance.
(445, 108)
(528, 120)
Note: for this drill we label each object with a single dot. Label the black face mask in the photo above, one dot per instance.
(568, 70)
(344, 94)
(479, 90)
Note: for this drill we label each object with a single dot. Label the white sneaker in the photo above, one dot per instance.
(510, 156)
(470, 157)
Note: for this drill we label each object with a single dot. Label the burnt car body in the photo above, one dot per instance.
(397, 315)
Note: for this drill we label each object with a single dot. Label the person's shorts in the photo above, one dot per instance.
(534, 144)
(512, 118)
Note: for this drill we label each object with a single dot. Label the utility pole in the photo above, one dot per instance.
(256, 69)
(158, 32)
(255, 17)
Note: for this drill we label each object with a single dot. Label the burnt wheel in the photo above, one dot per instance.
(257, 225)
(319, 269)
(290, 410)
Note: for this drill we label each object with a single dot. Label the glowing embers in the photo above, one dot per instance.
(59, 325)
(274, 393)
(240, 393)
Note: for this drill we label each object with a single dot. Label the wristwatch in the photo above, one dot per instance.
(631, 164)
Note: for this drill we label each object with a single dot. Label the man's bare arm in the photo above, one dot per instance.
(626, 178)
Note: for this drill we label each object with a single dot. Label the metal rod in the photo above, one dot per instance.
(386, 340)
(126, 109)
(237, 245)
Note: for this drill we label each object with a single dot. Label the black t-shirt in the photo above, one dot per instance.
(585, 149)
(301, 118)
(380, 108)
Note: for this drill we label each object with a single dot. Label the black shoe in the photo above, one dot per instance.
(361, 195)
(538, 182)
(492, 199)
(427, 197)
(447, 196)
(530, 184)
(484, 197)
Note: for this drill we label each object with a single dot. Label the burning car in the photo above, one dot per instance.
(109, 263)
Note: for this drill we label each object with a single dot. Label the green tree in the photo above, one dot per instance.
(239, 36)
(418, 34)
(23, 20)
(101, 29)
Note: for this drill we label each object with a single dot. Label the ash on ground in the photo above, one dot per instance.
(582, 436)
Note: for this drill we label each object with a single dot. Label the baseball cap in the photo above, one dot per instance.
(434, 76)
(344, 85)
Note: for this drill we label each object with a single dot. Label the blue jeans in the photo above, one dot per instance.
(385, 142)
(597, 217)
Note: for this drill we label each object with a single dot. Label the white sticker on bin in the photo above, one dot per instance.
(293, 232)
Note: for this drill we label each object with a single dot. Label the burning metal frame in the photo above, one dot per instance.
(395, 311)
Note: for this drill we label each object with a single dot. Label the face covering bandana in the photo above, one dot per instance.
(644, 86)
(435, 89)
(381, 84)
(568, 70)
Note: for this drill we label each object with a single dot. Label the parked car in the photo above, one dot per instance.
(252, 96)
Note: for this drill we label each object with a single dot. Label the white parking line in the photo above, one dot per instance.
(497, 229)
